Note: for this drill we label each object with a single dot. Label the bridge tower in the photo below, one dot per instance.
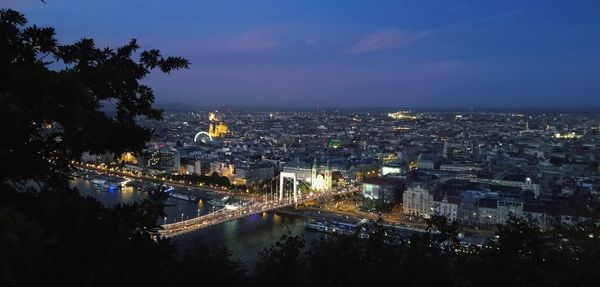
(283, 176)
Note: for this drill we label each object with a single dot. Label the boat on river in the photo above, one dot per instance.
(219, 202)
(180, 195)
(183, 196)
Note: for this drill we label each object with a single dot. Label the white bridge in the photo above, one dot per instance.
(225, 215)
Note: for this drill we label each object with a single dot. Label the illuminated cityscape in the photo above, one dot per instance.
(299, 143)
(527, 165)
(339, 169)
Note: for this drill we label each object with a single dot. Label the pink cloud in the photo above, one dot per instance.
(387, 39)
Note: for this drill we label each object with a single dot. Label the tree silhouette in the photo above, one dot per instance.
(50, 117)
(283, 263)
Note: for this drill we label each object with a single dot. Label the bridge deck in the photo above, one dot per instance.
(223, 215)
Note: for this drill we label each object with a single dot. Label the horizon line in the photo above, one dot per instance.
(286, 107)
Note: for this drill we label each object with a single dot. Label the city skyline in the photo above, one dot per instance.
(275, 143)
(349, 55)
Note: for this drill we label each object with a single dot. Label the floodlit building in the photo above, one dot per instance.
(448, 206)
(161, 160)
(383, 190)
(255, 172)
(222, 169)
(217, 128)
(321, 179)
(301, 169)
(393, 168)
(418, 201)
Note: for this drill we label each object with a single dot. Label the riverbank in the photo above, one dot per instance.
(319, 213)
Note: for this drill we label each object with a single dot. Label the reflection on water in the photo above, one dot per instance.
(108, 198)
(127, 192)
(248, 236)
(276, 218)
(245, 237)
(174, 207)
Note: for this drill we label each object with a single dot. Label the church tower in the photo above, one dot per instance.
(328, 177)
(313, 175)
(321, 179)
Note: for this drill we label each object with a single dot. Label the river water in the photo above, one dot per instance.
(245, 237)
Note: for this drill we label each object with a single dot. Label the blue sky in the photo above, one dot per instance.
(352, 53)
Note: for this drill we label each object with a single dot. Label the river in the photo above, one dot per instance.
(245, 237)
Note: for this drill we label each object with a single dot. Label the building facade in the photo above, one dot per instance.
(320, 178)
(383, 190)
(448, 207)
(418, 201)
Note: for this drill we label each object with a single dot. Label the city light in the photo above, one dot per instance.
(402, 115)
(570, 135)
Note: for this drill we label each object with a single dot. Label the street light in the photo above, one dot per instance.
(182, 216)
(165, 220)
(198, 213)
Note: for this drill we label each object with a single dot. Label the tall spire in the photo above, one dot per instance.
(445, 151)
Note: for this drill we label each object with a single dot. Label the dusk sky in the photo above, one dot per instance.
(352, 53)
